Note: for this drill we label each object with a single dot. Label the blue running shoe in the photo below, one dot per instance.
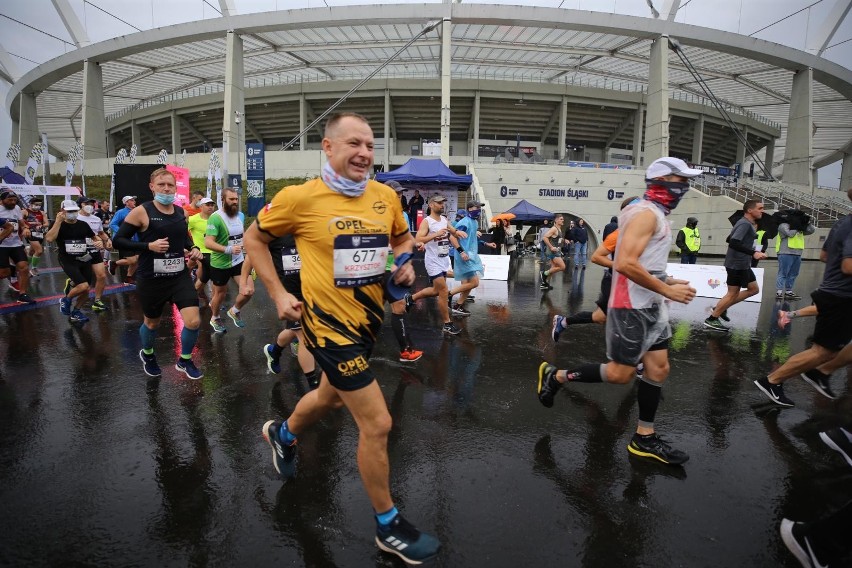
(283, 455)
(238, 321)
(272, 362)
(78, 317)
(149, 364)
(65, 306)
(558, 327)
(188, 368)
(217, 325)
(401, 538)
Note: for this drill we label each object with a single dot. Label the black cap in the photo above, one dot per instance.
(474, 204)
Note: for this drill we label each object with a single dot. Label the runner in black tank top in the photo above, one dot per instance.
(162, 275)
(160, 225)
(288, 265)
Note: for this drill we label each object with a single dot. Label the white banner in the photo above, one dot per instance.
(133, 150)
(489, 291)
(22, 189)
(743, 315)
(12, 156)
(33, 163)
(496, 266)
(709, 280)
(162, 157)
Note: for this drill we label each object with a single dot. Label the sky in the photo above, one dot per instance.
(39, 35)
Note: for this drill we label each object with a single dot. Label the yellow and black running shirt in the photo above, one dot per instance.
(343, 242)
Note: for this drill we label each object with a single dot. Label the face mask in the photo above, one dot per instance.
(88, 209)
(474, 214)
(341, 184)
(164, 198)
(71, 216)
(36, 207)
(665, 194)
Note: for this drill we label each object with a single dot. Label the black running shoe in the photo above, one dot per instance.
(654, 447)
(459, 310)
(820, 382)
(149, 364)
(715, 325)
(797, 543)
(283, 455)
(548, 386)
(839, 441)
(451, 328)
(401, 538)
(774, 392)
(724, 316)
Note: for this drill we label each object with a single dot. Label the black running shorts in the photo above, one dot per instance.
(12, 255)
(832, 329)
(346, 366)
(154, 293)
(741, 278)
(78, 272)
(221, 276)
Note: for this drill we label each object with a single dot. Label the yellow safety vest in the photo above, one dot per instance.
(758, 239)
(692, 239)
(797, 241)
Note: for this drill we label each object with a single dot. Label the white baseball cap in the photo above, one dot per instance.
(670, 166)
(70, 205)
(205, 201)
(127, 198)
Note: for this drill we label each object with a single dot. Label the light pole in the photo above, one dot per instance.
(237, 119)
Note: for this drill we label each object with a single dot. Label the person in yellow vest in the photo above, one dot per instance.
(689, 241)
(789, 246)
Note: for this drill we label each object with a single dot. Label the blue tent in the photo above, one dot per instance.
(425, 172)
(526, 212)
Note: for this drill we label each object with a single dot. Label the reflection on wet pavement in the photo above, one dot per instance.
(101, 466)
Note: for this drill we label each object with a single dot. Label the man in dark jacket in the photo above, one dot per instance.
(609, 227)
(689, 241)
(415, 204)
(580, 238)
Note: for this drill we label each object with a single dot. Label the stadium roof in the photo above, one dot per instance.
(527, 44)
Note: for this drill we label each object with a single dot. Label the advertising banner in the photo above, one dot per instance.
(255, 177)
(182, 184)
(709, 280)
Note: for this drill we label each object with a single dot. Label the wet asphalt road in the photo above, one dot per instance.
(100, 466)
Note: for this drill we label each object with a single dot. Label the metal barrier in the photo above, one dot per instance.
(824, 211)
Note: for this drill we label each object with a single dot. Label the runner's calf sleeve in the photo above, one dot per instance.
(579, 318)
(399, 331)
(588, 373)
(188, 337)
(648, 397)
(148, 336)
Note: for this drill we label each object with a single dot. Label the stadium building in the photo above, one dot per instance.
(560, 107)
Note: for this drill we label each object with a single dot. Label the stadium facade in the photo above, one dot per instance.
(525, 98)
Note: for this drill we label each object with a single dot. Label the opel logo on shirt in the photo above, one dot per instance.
(380, 207)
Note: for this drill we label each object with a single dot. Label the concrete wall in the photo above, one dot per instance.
(600, 194)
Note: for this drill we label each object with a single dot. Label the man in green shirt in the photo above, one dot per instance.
(197, 230)
(224, 237)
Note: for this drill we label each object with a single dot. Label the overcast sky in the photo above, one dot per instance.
(30, 46)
